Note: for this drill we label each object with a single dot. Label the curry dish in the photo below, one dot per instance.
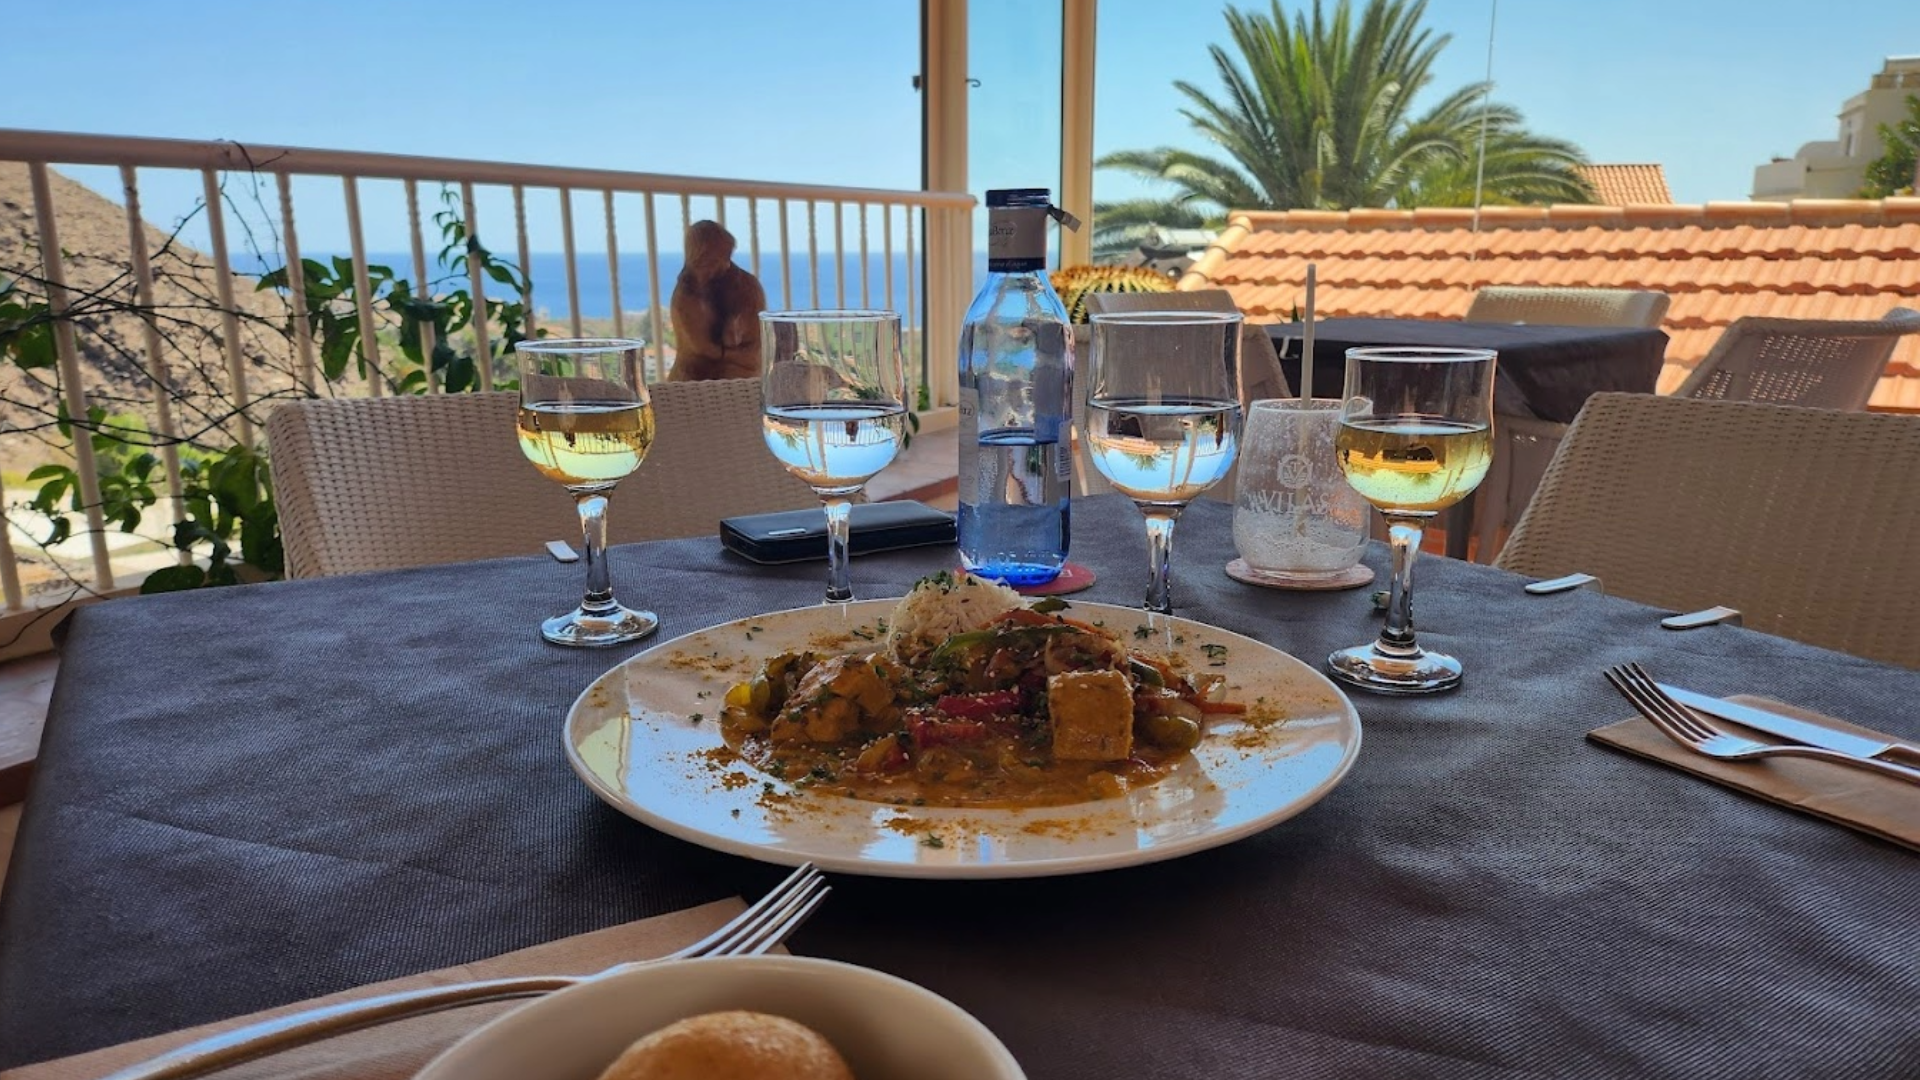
(977, 699)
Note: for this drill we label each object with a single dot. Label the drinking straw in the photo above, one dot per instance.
(1306, 344)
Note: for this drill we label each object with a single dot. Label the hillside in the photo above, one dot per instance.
(109, 336)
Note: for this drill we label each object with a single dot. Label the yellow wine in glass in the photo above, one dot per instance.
(581, 444)
(1416, 436)
(586, 423)
(1414, 463)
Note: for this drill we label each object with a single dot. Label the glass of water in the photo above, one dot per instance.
(835, 409)
(1163, 416)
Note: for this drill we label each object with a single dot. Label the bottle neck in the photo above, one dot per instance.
(1016, 239)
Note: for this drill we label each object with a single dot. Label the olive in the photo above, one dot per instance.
(1171, 732)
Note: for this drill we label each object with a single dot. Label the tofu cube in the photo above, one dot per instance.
(1092, 714)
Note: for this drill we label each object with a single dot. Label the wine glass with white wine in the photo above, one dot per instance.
(1416, 436)
(832, 383)
(1163, 416)
(585, 422)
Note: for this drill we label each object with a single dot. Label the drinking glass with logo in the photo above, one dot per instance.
(835, 411)
(1163, 416)
(1416, 436)
(585, 422)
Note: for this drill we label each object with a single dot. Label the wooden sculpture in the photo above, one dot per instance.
(716, 311)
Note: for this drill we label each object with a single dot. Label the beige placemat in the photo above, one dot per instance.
(1881, 806)
(397, 1050)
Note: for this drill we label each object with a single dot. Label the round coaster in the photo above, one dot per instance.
(1351, 578)
(1073, 578)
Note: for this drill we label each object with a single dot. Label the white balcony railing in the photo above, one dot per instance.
(774, 221)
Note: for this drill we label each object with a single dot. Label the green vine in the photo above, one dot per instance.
(229, 524)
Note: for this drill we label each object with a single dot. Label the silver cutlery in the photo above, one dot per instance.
(754, 931)
(1690, 730)
(1792, 727)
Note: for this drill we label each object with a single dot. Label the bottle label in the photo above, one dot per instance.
(1016, 239)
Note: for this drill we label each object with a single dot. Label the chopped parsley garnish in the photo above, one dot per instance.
(1142, 632)
(697, 717)
(933, 841)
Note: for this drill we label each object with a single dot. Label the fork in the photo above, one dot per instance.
(760, 927)
(1691, 730)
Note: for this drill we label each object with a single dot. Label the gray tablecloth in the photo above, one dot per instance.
(1551, 370)
(251, 796)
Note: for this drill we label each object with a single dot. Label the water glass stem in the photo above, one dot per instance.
(1396, 636)
(1160, 521)
(839, 587)
(593, 532)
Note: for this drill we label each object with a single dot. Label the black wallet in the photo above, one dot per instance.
(800, 535)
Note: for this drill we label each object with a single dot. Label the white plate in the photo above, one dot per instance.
(885, 1027)
(633, 737)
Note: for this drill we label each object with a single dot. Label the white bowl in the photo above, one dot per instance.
(887, 1028)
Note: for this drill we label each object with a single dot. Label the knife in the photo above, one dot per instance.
(1789, 727)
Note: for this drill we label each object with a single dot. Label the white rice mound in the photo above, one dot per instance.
(941, 606)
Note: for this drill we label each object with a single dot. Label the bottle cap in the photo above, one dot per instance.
(1037, 198)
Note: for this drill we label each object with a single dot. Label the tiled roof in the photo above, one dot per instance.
(1628, 185)
(1808, 259)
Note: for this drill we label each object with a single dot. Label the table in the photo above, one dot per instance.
(251, 796)
(1545, 371)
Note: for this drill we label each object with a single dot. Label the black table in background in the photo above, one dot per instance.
(1552, 368)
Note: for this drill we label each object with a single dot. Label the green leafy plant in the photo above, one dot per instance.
(229, 523)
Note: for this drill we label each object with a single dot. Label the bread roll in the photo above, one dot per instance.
(731, 1046)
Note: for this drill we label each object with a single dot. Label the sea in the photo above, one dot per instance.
(791, 286)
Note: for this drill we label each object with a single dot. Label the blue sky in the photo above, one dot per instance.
(821, 91)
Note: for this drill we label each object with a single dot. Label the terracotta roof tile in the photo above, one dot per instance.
(1627, 185)
(1809, 259)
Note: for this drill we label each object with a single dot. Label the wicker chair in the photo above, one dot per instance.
(1569, 307)
(1796, 517)
(1260, 374)
(379, 483)
(1819, 363)
(1526, 442)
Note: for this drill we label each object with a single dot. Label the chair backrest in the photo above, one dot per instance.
(1800, 518)
(380, 483)
(1819, 363)
(1569, 307)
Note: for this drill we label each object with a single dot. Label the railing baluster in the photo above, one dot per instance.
(686, 213)
(786, 260)
(866, 297)
(573, 276)
(157, 372)
(10, 591)
(423, 284)
(720, 210)
(477, 281)
(296, 285)
(229, 320)
(362, 291)
(886, 247)
(613, 267)
(654, 314)
(58, 302)
(913, 309)
(526, 260)
(813, 253)
(753, 232)
(839, 256)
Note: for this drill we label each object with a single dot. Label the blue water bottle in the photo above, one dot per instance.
(1016, 402)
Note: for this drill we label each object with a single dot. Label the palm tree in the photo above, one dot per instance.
(1318, 113)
